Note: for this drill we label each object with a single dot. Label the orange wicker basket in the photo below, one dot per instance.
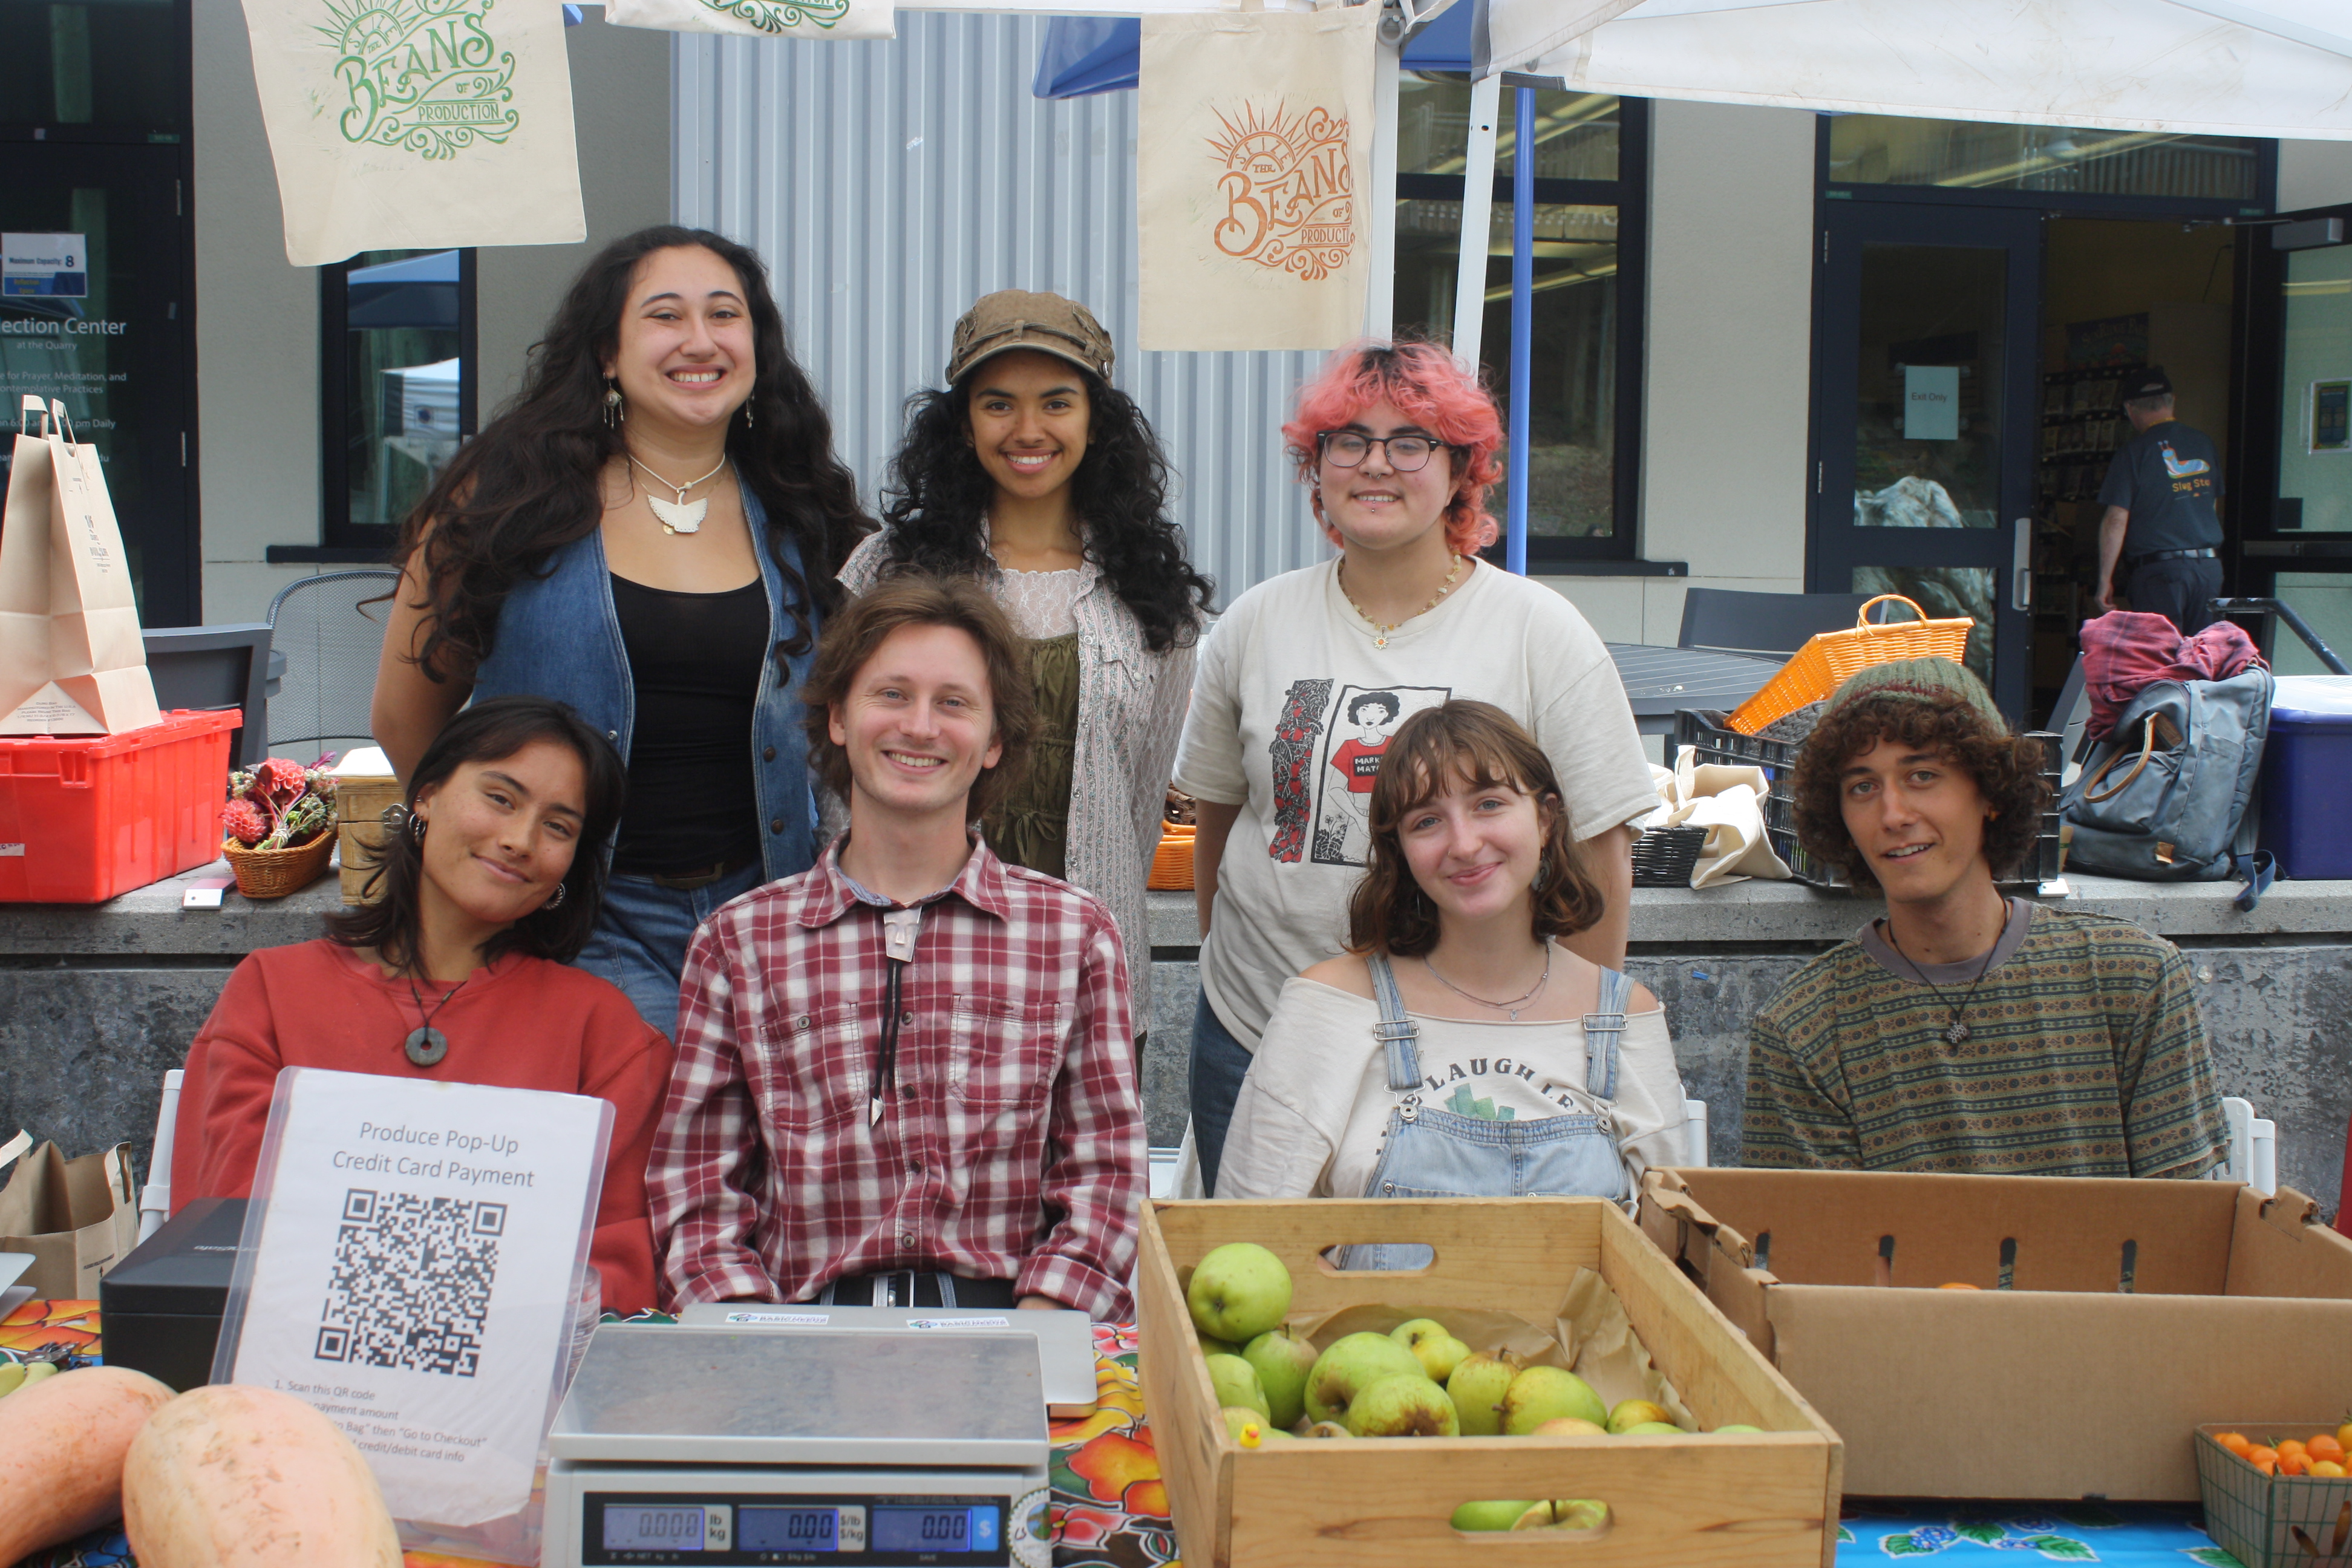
(1822, 665)
(1172, 863)
(274, 873)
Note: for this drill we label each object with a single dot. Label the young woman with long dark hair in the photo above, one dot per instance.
(1031, 473)
(488, 885)
(649, 532)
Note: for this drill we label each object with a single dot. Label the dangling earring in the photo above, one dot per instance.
(614, 411)
(747, 415)
(556, 899)
(1543, 874)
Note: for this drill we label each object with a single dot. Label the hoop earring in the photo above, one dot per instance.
(614, 410)
(416, 827)
(555, 900)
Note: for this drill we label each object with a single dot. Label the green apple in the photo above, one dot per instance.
(1491, 1514)
(1351, 1365)
(1652, 1429)
(1439, 1351)
(1249, 1428)
(1563, 1513)
(1212, 1345)
(1405, 1405)
(1568, 1427)
(1237, 1384)
(1632, 1411)
(1541, 1393)
(1238, 1292)
(1282, 1360)
(1477, 1388)
(1740, 1426)
(1328, 1429)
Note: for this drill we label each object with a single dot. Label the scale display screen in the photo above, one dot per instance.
(659, 1528)
(872, 1531)
(957, 1530)
(788, 1529)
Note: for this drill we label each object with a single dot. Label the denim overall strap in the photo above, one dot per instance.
(1602, 1029)
(1396, 1031)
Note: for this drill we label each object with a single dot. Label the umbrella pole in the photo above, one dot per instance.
(1379, 302)
(1477, 222)
(1523, 288)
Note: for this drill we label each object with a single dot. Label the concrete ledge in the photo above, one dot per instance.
(148, 922)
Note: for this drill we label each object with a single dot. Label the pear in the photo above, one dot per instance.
(1568, 1427)
(1212, 1345)
(1282, 1361)
(1477, 1388)
(1490, 1514)
(1652, 1429)
(1439, 1351)
(1328, 1429)
(1741, 1426)
(1563, 1513)
(1237, 1384)
(1238, 1292)
(1249, 1428)
(1541, 1393)
(1405, 1405)
(1351, 1365)
(1630, 1412)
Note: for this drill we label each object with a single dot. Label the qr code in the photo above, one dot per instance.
(412, 1282)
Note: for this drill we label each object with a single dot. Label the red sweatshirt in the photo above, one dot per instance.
(523, 1024)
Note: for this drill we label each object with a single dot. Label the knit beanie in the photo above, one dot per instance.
(1936, 682)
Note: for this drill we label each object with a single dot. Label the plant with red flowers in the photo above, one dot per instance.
(281, 804)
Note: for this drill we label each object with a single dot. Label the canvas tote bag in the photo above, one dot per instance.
(416, 124)
(761, 18)
(1254, 145)
(71, 659)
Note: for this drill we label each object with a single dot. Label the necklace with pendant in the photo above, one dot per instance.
(1955, 1030)
(679, 516)
(1379, 632)
(1516, 1005)
(426, 1045)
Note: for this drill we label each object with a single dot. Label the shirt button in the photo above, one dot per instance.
(803, 1021)
(906, 1090)
(769, 755)
(775, 825)
(613, 735)
(915, 1166)
(906, 1018)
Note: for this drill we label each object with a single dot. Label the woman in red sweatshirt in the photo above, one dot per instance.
(457, 972)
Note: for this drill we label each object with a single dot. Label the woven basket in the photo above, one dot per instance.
(1172, 863)
(1666, 856)
(274, 873)
(1822, 665)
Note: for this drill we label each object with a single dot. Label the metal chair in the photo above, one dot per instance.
(1727, 620)
(332, 638)
(2253, 1147)
(1693, 1131)
(155, 1197)
(216, 667)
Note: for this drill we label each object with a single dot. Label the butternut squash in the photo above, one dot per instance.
(229, 1477)
(62, 1441)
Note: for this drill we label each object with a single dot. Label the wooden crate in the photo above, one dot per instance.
(359, 803)
(1692, 1501)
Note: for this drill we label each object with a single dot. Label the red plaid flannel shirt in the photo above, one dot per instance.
(1011, 1148)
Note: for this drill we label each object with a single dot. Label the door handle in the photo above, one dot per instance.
(2021, 567)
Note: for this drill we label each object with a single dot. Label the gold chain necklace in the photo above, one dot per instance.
(1379, 632)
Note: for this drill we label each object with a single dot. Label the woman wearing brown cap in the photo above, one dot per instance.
(1033, 473)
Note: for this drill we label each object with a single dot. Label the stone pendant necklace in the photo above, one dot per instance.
(426, 1045)
(679, 516)
(1955, 1029)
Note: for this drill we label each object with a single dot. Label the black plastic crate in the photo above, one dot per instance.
(1716, 742)
(1666, 856)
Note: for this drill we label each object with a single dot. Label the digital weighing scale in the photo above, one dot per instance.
(706, 1446)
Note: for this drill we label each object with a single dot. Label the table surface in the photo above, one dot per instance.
(1659, 681)
(1111, 1506)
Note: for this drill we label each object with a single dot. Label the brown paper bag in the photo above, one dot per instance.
(71, 658)
(1254, 152)
(78, 1217)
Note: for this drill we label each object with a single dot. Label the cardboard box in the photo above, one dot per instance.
(161, 1306)
(1696, 1500)
(2110, 1318)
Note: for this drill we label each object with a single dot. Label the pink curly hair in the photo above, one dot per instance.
(1428, 385)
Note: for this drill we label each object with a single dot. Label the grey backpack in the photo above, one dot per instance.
(2166, 796)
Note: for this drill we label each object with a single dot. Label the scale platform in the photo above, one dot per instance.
(1066, 1340)
(708, 1445)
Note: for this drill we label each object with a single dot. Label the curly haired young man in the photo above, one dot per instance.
(1966, 1032)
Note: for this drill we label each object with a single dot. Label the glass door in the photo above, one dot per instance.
(2295, 535)
(1926, 419)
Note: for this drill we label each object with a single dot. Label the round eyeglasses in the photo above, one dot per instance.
(1406, 454)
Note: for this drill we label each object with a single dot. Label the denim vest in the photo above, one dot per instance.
(559, 636)
(1435, 1153)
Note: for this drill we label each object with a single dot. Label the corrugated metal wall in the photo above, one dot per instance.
(890, 185)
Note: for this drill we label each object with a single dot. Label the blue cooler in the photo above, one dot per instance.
(2306, 763)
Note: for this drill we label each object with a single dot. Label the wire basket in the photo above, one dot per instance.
(1710, 734)
(2272, 1521)
(1666, 856)
(274, 873)
(1822, 665)
(1172, 863)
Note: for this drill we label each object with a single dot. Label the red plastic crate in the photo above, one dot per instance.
(84, 820)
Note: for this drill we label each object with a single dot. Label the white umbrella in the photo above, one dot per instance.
(2232, 67)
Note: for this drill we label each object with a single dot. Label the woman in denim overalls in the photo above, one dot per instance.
(1457, 1049)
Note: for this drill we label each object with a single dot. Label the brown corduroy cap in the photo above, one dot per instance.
(1938, 682)
(1016, 318)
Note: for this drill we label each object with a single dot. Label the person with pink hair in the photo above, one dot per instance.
(1307, 676)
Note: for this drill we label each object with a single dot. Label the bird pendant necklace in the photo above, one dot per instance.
(679, 516)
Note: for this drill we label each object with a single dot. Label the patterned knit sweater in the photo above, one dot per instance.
(2085, 1056)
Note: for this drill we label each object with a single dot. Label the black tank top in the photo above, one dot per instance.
(697, 661)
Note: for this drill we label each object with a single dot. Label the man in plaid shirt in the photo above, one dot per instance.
(905, 1077)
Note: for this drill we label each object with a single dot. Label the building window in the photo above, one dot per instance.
(2048, 160)
(1590, 182)
(397, 379)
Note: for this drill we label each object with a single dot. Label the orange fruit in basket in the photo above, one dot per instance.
(2236, 1442)
(2261, 1459)
(2344, 1436)
(2328, 1470)
(2325, 1447)
(2286, 1445)
(2296, 1464)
